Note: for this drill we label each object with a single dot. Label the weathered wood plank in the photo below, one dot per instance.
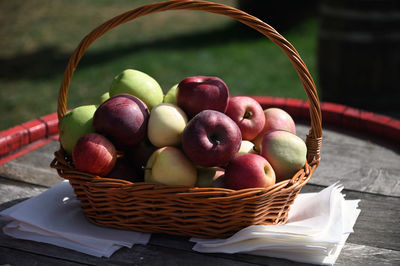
(10, 256)
(33, 167)
(12, 190)
(360, 163)
(353, 254)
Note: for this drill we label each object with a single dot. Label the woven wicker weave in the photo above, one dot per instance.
(179, 210)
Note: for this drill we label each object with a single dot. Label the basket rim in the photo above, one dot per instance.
(66, 170)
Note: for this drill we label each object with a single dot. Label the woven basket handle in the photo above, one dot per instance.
(314, 137)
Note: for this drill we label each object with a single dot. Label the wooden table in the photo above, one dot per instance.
(368, 168)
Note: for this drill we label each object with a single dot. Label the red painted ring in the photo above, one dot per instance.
(23, 138)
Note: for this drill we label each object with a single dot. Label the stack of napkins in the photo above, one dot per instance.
(55, 217)
(317, 228)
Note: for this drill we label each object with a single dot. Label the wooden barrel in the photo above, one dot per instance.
(359, 54)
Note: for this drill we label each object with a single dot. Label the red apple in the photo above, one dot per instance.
(199, 93)
(124, 170)
(285, 151)
(275, 119)
(93, 153)
(122, 118)
(249, 171)
(211, 138)
(248, 115)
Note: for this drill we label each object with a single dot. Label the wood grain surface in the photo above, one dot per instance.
(368, 168)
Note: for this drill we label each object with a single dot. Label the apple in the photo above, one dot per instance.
(123, 118)
(75, 124)
(166, 124)
(138, 84)
(169, 166)
(248, 115)
(211, 138)
(104, 97)
(199, 93)
(170, 96)
(249, 171)
(285, 151)
(275, 119)
(207, 176)
(246, 147)
(139, 154)
(124, 170)
(95, 154)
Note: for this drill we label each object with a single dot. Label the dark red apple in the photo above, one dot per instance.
(122, 118)
(211, 138)
(248, 115)
(139, 154)
(199, 93)
(248, 171)
(124, 170)
(94, 153)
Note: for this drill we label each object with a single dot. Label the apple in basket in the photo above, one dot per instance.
(211, 138)
(209, 176)
(94, 153)
(75, 124)
(139, 154)
(199, 93)
(248, 115)
(170, 166)
(124, 170)
(285, 151)
(166, 124)
(275, 119)
(123, 119)
(170, 96)
(249, 171)
(139, 84)
(246, 147)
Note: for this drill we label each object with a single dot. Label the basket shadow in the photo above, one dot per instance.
(50, 60)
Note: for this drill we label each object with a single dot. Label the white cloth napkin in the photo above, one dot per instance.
(55, 217)
(317, 228)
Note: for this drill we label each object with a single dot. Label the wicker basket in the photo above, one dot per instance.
(179, 210)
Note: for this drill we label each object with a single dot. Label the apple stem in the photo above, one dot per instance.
(255, 149)
(248, 114)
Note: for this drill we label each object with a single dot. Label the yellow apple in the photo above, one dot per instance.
(246, 147)
(169, 166)
(166, 124)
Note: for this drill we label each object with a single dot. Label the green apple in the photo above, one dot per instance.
(170, 97)
(246, 147)
(138, 84)
(75, 124)
(170, 166)
(104, 97)
(166, 124)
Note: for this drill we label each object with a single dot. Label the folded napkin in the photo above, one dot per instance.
(317, 228)
(55, 217)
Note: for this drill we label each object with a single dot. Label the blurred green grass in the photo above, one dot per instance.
(168, 46)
